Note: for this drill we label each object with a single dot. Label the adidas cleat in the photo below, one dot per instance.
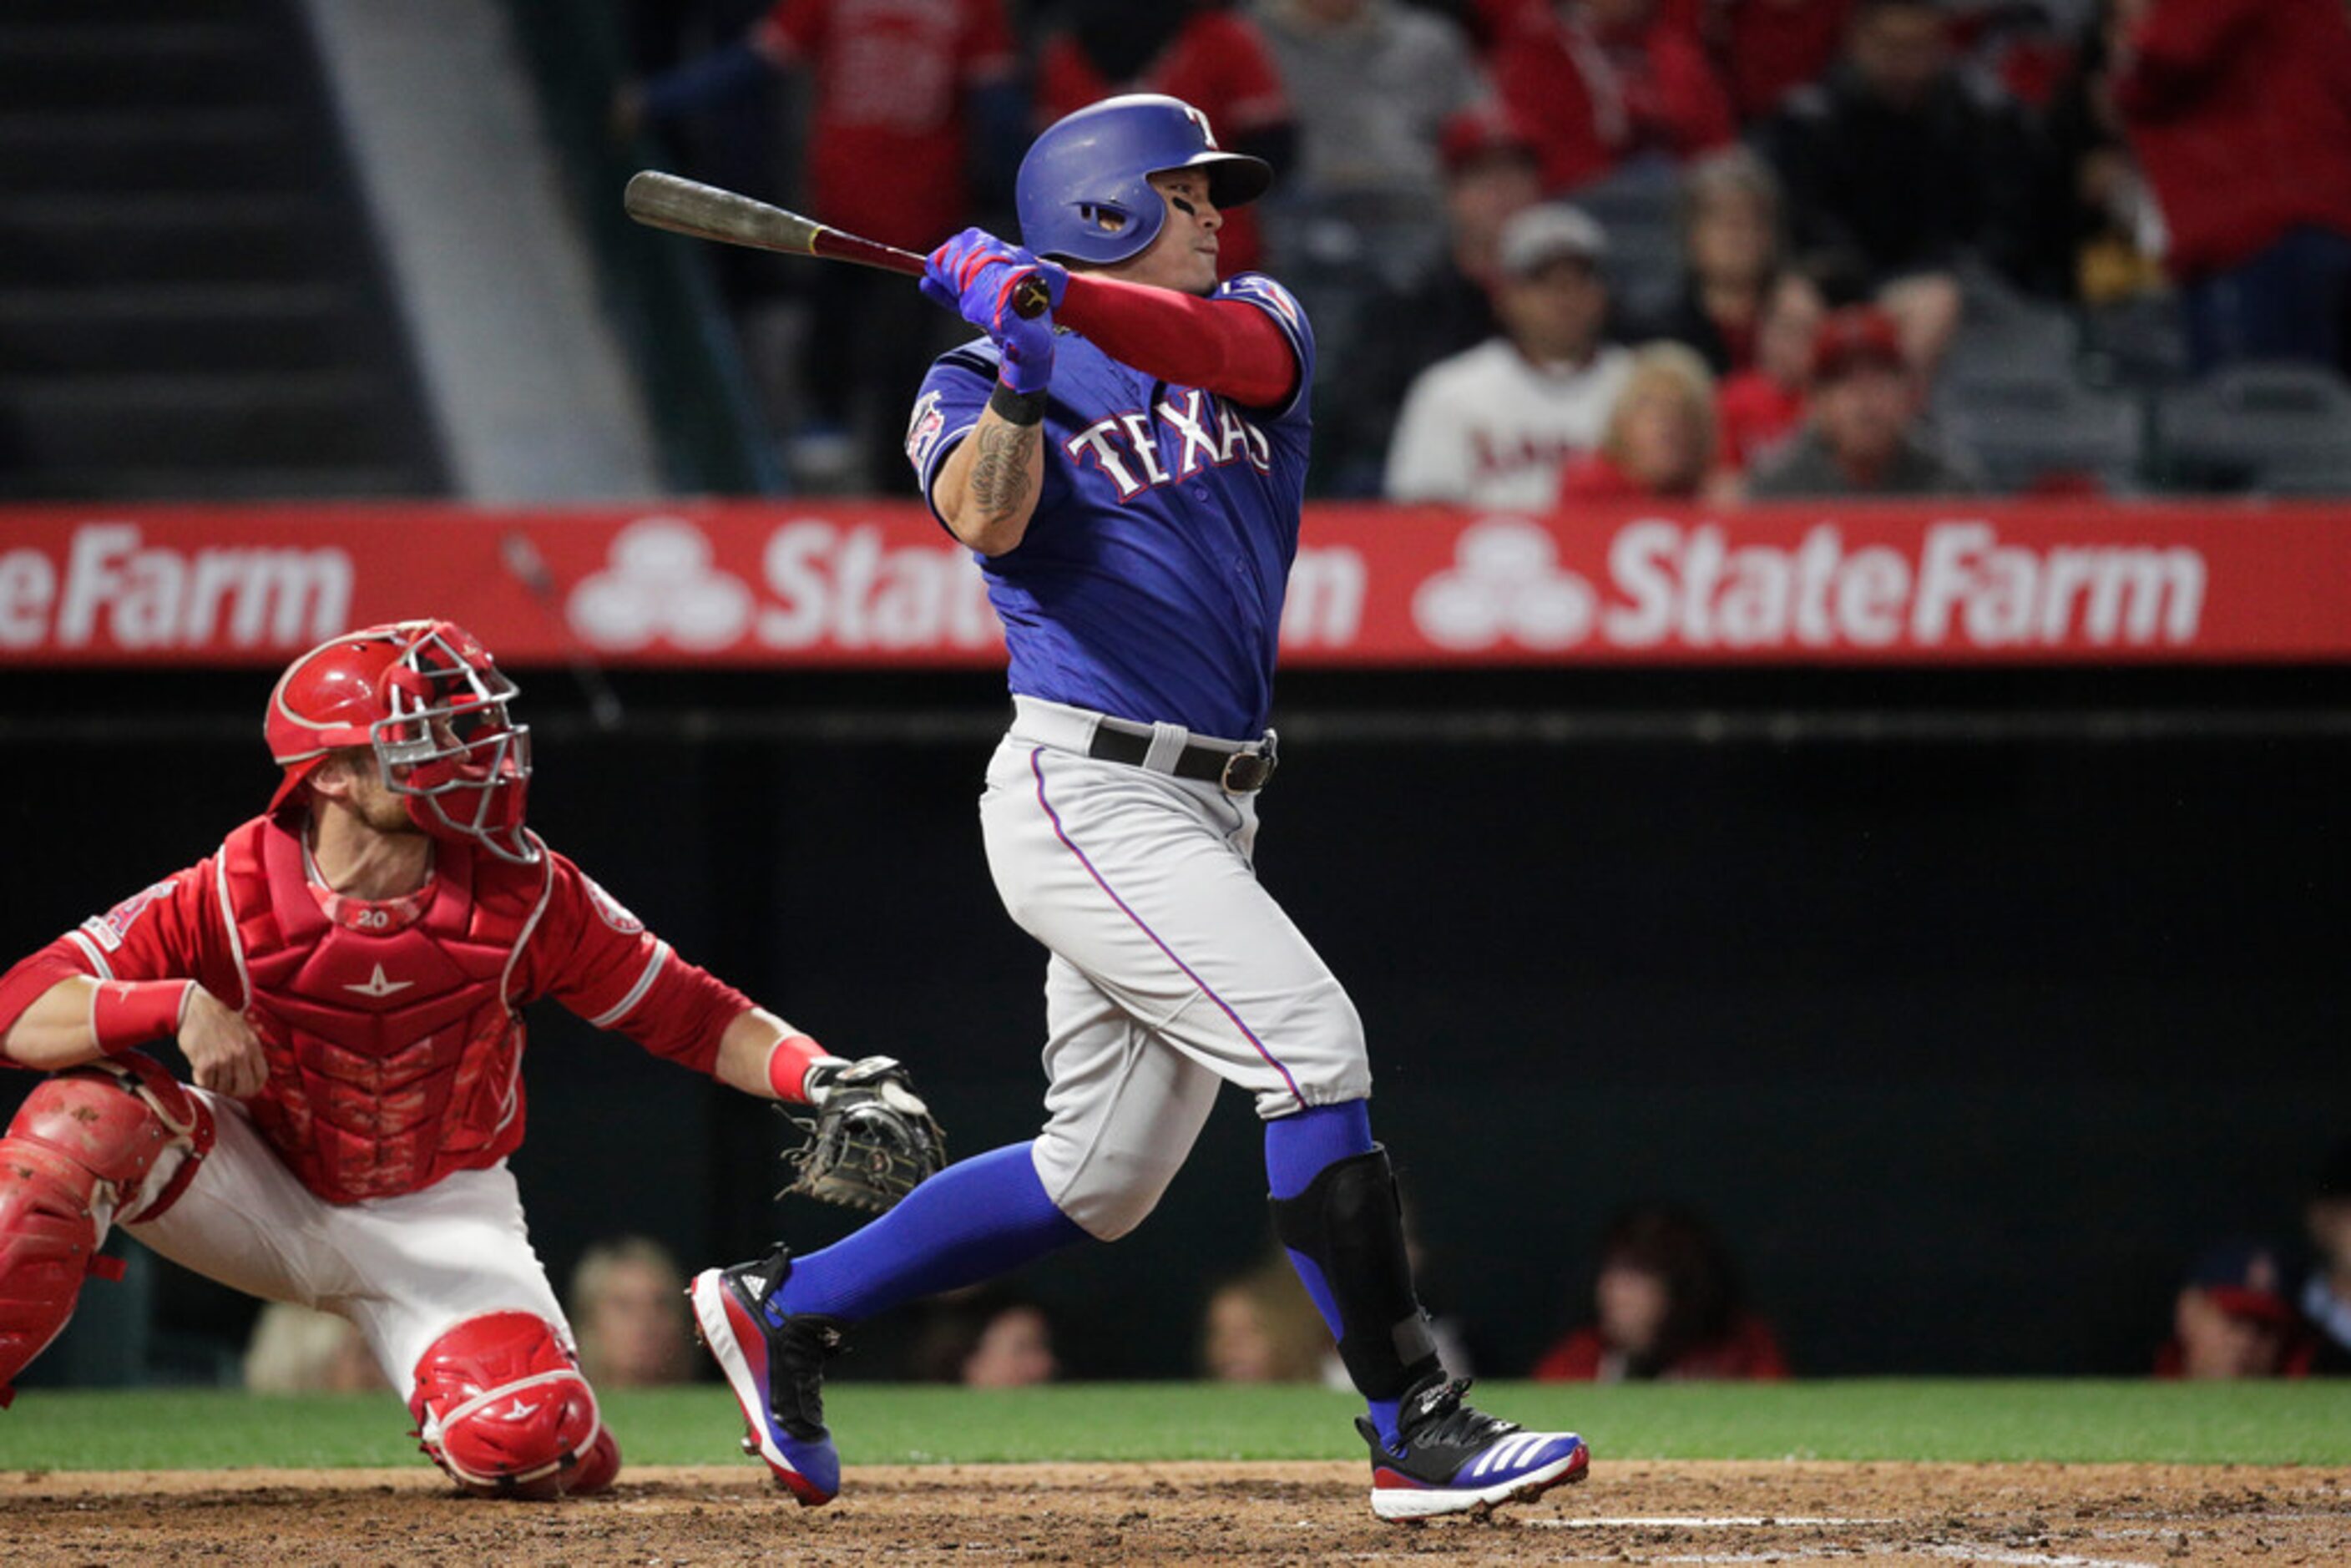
(775, 1367)
(1451, 1457)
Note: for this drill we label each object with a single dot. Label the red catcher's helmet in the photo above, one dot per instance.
(426, 697)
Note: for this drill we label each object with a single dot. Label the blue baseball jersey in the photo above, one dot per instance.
(1150, 582)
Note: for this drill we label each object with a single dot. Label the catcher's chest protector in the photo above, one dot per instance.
(394, 1059)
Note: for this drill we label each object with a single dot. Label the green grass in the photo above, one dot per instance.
(2269, 1423)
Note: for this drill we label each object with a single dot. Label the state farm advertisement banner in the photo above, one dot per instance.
(848, 583)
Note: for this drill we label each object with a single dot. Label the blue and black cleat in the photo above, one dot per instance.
(775, 1363)
(1452, 1458)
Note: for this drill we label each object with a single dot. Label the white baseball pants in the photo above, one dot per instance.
(405, 1270)
(1173, 970)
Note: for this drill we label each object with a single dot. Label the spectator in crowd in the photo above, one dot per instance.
(298, 1350)
(1601, 82)
(628, 1308)
(1200, 52)
(904, 100)
(1494, 427)
(1863, 437)
(1666, 1305)
(1262, 1327)
(2327, 1295)
(2240, 111)
(1014, 1349)
(1490, 176)
(2103, 218)
(2232, 1318)
(1660, 441)
(985, 1338)
(1758, 408)
(1914, 169)
(1730, 247)
(1373, 83)
(1766, 49)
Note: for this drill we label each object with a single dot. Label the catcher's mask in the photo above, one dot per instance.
(426, 698)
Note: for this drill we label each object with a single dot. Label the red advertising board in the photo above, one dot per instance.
(848, 583)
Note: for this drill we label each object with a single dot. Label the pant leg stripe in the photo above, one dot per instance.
(1037, 767)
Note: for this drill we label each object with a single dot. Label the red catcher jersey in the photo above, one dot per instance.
(394, 1030)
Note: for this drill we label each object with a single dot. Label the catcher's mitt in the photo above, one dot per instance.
(871, 1140)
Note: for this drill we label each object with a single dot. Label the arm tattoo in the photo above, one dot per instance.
(999, 486)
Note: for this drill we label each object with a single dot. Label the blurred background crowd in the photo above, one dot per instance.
(1662, 1301)
(1583, 249)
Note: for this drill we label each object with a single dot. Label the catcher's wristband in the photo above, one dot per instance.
(127, 1013)
(788, 1060)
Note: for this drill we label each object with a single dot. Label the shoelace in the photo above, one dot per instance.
(1440, 1417)
(804, 1372)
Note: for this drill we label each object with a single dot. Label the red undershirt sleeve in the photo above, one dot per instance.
(1223, 346)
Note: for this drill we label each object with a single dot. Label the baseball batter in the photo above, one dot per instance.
(1127, 468)
(345, 976)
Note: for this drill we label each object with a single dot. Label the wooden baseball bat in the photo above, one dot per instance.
(685, 206)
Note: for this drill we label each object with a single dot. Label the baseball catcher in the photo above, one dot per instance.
(345, 977)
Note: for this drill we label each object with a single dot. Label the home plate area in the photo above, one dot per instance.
(2033, 1516)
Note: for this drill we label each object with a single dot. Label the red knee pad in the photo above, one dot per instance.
(82, 1139)
(501, 1406)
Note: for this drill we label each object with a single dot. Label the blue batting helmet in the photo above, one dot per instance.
(1084, 191)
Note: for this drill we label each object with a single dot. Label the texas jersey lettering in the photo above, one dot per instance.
(1150, 582)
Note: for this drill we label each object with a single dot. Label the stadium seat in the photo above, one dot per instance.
(2140, 342)
(2274, 428)
(2005, 335)
(1639, 206)
(2039, 429)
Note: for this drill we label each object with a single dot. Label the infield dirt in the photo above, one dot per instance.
(2034, 1516)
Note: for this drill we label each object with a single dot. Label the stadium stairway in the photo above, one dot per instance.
(192, 304)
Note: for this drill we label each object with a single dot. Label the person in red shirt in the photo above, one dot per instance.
(1214, 60)
(1666, 1306)
(2239, 112)
(1768, 48)
(1602, 81)
(345, 976)
(2232, 1318)
(1661, 442)
(1758, 408)
(905, 101)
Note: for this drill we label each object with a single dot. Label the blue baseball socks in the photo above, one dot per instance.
(974, 1220)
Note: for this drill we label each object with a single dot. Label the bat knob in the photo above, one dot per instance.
(1032, 299)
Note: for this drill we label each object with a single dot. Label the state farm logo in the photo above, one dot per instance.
(659, 584)
(114, 588)
(1669, 584)
(821, 584)
(1506, 585)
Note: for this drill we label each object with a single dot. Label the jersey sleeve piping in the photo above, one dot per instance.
(1277, 303)
(626, 1005)
(949, 440)
(89, 950)
(228, 923)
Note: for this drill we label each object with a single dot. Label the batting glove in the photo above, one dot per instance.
(976, 275)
